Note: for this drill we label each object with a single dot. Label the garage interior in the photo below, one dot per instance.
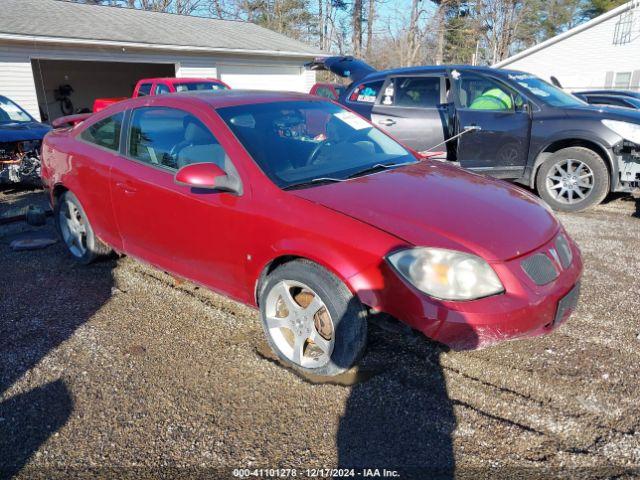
(89, 80)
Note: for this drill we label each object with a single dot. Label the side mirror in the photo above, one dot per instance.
(207, 176)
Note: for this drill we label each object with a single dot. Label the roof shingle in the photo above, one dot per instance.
(70, 20)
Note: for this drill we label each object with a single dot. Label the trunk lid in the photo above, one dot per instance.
(343, 66)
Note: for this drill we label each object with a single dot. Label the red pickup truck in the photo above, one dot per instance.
(160, 86)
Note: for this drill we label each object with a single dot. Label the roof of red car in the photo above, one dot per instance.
(180, 79)
(229, 98)
(215, 99)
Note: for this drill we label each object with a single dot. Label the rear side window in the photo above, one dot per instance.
(366, 92)
(190, 86)
(172, 138)
(105, 133)
(144, 90)
(161, 89)
(421, 92)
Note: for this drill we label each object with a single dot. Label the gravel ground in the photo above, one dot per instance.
(118, 370)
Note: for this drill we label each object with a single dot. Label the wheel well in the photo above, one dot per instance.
(271, 266)
(58, 190)
(566, 143)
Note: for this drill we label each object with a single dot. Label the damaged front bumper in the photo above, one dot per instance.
(20, 162)
(628, 157)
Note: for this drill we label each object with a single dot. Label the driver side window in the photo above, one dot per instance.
(481, 93)
(171, 138)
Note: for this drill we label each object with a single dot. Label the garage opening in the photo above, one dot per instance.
(89, 80)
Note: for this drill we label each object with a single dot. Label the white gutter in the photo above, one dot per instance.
(150, 46)
(580, 28)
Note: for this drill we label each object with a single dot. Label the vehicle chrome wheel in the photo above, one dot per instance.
(73, 228)
(299, 324)
(570, 181)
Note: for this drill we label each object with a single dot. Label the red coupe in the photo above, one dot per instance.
(293, 204)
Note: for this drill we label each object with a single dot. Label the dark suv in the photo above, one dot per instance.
(505, 123)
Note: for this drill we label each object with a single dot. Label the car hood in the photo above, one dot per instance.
(601, 112)
(20, 131)
(431, 204)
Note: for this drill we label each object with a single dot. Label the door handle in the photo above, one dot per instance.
(128, 189)
(387, 122)
(472, 127)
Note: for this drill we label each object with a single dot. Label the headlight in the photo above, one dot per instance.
(628, 131)
(446, 274)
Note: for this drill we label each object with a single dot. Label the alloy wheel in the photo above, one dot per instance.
(73, 228)
(570, 181)
(299, 324)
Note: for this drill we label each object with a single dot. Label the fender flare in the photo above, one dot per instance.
(300, 248)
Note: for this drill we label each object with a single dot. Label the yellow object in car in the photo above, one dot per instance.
(492, 99)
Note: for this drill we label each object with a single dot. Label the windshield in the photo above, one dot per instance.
(12, 113)
(546, 92)
(190, 86)
(305, 141)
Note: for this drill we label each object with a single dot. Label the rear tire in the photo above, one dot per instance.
(75, 230)
(573, 179)
(311, 319)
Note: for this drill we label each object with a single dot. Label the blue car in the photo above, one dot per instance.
(20, 140)
(614, 98)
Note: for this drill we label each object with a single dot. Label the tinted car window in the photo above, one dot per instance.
(11, 112)
(297, 142)
(145, 89)
(190, 86)
(105, 133)
(413, 92)
(161, 89)
(481, 93)
(366, 92)
(172, 138)
(602, 100)
(325, 92)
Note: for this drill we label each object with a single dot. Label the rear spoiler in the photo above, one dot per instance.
(343, 66)
(70, 120)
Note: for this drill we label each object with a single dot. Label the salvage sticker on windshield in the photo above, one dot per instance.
(352, 120)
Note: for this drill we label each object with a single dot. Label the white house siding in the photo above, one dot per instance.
(280, 75)
(256, 72)
(588, 59)
(16, 78)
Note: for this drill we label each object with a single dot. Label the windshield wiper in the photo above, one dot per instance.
(378, 167)
(372, 169)
(314, 181)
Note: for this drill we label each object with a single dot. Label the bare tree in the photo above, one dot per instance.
(502, 19)
(356, 37)
(371, 17)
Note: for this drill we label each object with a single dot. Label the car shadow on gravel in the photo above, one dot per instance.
(401, 419)
(636, 200)
(45, 298)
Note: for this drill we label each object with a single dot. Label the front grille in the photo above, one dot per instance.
(540, 269)
(564, 251)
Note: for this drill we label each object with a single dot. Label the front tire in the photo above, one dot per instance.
(75, 230)
(311, 319)
(573, 179)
